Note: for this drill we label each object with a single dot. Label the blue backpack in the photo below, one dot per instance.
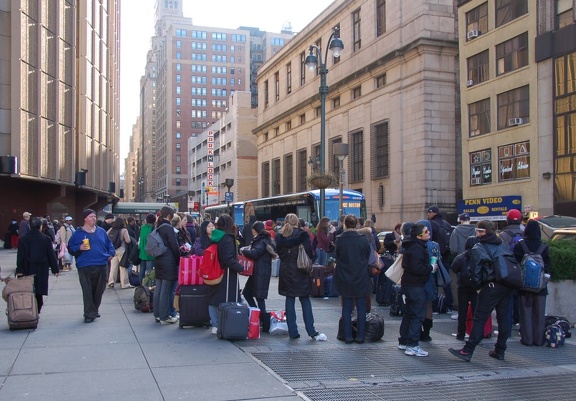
(532, 266)
(554, 336)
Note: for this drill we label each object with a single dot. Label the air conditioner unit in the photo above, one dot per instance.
(470, 82)
(515, 121)
(472, 34)
(475, 181)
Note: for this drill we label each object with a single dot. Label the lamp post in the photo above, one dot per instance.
(341, 151)
(313, 61)
(229, 183)
(167, 198)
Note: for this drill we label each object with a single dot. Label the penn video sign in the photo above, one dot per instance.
(489, 208)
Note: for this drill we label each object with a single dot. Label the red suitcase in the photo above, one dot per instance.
(188, 271)
(470, 321)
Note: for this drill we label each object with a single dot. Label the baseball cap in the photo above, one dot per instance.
(433, 209)
(514, 215)
(68, 218)
(464, 217)
(26, 214)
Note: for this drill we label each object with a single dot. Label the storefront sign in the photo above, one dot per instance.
(489, 208)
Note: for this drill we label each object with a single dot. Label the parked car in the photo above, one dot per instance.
(550, 224)
(564, 234)
(381, 236)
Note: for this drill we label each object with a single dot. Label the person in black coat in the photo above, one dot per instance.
(166, 267)
(466, 292)
(352, 277)
(532, 305)
(293, 282)
(35, 256)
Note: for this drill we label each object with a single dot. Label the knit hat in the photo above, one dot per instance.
(514, 215)
(87, 213)
(433, 209)
(109, 216)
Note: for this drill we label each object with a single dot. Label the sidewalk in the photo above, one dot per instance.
(125, 355)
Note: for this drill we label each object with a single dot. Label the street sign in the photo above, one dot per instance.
(229, 196)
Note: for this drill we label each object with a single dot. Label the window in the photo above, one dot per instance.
(277, 86)
(564, 13)
(178, 159)
(178, 135)
(380, 17)
(288, 174)
(334, 162)
(289, 78)
(178, 44)
(302, 118)
(178, 67)
(514, 161)
(265, 179)
(478, 68)
(477, 21)
(178, 101)
(265, 93)
(301, 168)
(302, 68)
(336, 102)
(178, 55)
(178, 90)
(356, 158)
(513, 107)
(479, 117)
(178, 147)
(275, 177)
(288, 125)
(178, 182)
(512, 54)
(356, 92)
(317, 112)
(178, 78)
(380, 81)
(481, 167)
(508, 10)
(380, 150)
(356, 38)
(178, 169)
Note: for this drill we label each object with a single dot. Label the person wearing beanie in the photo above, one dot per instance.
(93, 250)
(108, 221)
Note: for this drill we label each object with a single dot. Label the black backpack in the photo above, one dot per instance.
(444, 236)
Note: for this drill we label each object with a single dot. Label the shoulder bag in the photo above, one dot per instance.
(303, 262)
(395, 271)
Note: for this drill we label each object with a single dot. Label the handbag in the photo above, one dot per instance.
(375, 262)
(278, 324)
(304, 263)
(395, 271)
(248, 265)
(188, 271)
(442, 276)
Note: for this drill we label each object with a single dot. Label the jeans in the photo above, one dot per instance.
(321, 257)
(492, 295)
(93, 283)
(465, 295)
(213, 312)
(347, 306)
(162, 298)
(145, 265)
(290, 306)
(414, 317)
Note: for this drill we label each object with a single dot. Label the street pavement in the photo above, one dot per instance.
(125, 355)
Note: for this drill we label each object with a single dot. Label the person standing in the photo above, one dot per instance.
(324, 232)
(147, 261)
(203, 240)
(466, 292)
(492, 294)
(352, 277)
(93, 250)
(24, 224)
(119, 236)
(270, 228)
(65, 233)
(417, 269)
(532, 305)
(292, 281)
(460, 234)
(441, 232)
(393, 240)
(166, 267)
(34, 258)
(107, 223)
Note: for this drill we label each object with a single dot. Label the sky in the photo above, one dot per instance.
(137, 27)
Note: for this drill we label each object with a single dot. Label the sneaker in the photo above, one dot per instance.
(402, 347)
(454, 316)
(460, 353)
(157, 319)
(214, 330)
(320, 337)
(415, 351)
(177, 316)
(170, 320)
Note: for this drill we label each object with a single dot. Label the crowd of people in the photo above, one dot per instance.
(102, 251)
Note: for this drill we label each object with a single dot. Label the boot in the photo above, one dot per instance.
(265, 322)
(425, 333)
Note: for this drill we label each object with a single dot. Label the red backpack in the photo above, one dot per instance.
(210, 269)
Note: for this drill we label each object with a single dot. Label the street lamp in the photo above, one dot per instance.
(341, 151)
(229, 183)
(313, 61)
(167, 198)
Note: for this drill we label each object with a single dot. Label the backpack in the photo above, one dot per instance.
(554, 336)
(115, 236)
(532, 266)
(143, 299)
(506, 268)
(560, 321)
(210, 269)
(155, 245)
(444, 237)
(514, 238)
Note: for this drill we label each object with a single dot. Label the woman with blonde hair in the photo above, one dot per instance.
(292, 281)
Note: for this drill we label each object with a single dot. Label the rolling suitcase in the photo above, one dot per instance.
(397, 305)
(233, 321)
(470, 322)
(193, 305)
(317, 277)
(22, 311)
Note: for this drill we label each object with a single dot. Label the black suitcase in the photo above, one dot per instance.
(233, 321)
(194, 305)
(317, 277)
(397, 306)
(374, 328)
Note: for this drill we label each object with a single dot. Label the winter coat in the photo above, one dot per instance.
(459, 236)
(166, 265)
(324, 240)
(259, 281)
(228, 258)
(352, 275)
(481, 262)
(532, 239)
(144, 232)
(416, 263)
(461, 266)
(293, 282)
(35, 256)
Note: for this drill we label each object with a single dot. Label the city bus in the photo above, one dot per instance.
(236, 208)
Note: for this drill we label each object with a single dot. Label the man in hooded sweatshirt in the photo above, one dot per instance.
(459, 235)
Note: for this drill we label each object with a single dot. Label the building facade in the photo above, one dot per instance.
(392, 98)
(59, 108)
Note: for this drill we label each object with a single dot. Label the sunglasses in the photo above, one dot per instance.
(424, 232)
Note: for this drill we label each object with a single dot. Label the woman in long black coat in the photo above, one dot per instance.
(292, 281)
(258, 283)
(352, 277)
(35, 255)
